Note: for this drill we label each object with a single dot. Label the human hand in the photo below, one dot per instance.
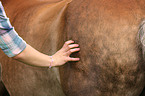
(63, 55)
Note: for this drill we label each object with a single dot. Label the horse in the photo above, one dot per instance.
(111, 64)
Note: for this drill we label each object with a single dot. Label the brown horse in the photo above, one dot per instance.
(111, 58)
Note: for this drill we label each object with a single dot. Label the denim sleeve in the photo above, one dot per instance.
(10, 42)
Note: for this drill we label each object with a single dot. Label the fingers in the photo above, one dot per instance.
(68, 45)
(73, 45)
(75, 50)
(72, 51)
(70, 48)
(69, 42)
(73, 59)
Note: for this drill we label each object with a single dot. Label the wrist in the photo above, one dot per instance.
(51, 62)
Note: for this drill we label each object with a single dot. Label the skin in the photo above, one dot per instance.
(111, 56)
(35, 58)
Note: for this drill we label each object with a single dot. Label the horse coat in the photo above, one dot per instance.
(107, 31)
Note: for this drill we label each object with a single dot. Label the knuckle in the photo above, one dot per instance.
(66, 59)
(69, 51)
(66, 43)
(69, 46)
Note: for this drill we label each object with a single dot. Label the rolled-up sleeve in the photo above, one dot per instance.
(10, 42)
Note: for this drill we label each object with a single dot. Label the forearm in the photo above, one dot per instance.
(33, 57)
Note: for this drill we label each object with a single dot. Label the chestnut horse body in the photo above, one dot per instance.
(111, 58)
(107, 31)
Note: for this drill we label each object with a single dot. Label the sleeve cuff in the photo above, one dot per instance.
(11, 43)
